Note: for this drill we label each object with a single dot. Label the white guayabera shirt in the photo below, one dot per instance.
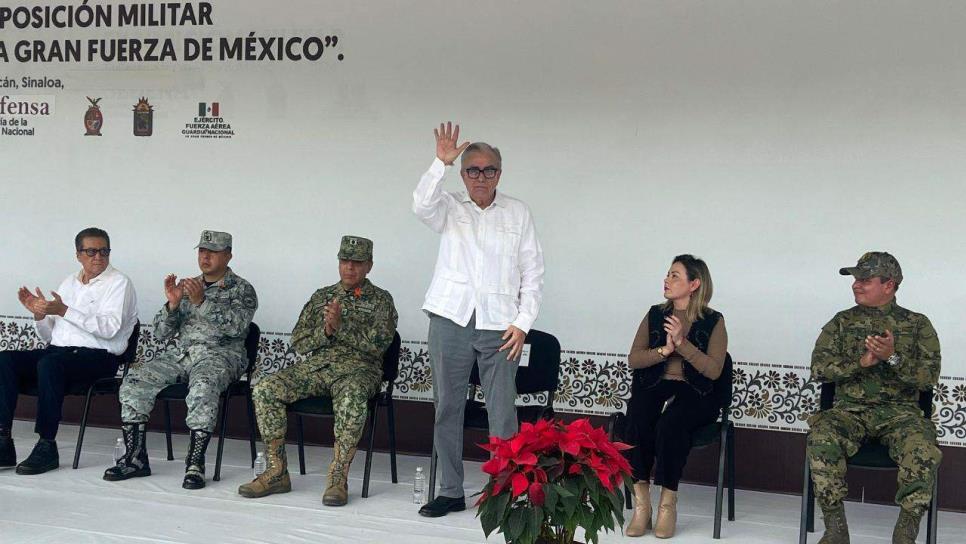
(489, 262)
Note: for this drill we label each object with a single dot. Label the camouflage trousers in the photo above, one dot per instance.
(837, 433)
(350, 393)
(206, 380)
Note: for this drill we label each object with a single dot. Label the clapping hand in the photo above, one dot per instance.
(195, 290)
(35, 304)
(879, 348)
(675, 331)
(446, 143)
(173, 291)
(332, 316)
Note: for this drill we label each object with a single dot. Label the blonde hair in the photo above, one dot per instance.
(696, 269)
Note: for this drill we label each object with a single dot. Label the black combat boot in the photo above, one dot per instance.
(134, 463)
(8, 455)
(44, 457)
(194, 472)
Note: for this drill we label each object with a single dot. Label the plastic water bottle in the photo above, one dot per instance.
(260, 464)
(419, 486)
(118, 450)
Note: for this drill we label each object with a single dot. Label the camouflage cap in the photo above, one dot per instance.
(214, 240)
(355, 248)
(875, 264)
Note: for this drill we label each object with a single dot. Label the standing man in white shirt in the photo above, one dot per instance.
(483, 299)
(86, 324)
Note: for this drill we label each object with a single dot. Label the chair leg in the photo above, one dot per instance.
(251, 424)
(83, 425)
(932, 521)
(221, 438)
(391, 421)
(731, 471)
(719, 490)
(301, 437)
(373, 412)
(803, 526)
(432, 475)
(167, 429)
(627, 498)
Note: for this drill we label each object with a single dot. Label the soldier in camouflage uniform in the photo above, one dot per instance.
(879, 356)
(209, 315)
(343, 332)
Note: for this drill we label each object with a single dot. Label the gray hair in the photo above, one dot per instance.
(483, 147)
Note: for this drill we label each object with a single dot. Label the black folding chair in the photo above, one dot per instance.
(322, 407)
(721, 432)
(102, 386)
(542, 374)
(873, 455)
(179, 391)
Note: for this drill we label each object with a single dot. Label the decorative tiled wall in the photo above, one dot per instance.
(770, 396)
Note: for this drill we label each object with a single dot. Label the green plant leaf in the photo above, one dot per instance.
(517, 525)
(550, 502)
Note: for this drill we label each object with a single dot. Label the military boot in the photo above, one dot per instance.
(8, 454)
(337, 491)
(667, 514)
(641, 522)
(836, 528)
(134, 463)
(907, 527)
(275, 478)
(194, 470)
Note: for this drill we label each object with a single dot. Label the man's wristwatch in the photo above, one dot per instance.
(893, 359)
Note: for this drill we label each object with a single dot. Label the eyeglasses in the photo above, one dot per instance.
(90, 252)
(489, 172)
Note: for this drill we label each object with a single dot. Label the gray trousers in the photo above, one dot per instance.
(452, 352)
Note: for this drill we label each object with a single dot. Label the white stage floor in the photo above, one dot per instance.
(77, 506)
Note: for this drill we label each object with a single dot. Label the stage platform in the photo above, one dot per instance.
(77, 506)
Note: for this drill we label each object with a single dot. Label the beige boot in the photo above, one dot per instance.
(667, 514)
(275, 478)
(640, 524)
(337, 491)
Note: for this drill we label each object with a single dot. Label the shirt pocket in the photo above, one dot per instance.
(508, 235)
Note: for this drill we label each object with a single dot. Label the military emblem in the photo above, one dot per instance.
(143, 118)
(93, 119)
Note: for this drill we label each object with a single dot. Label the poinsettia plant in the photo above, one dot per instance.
(551, 478)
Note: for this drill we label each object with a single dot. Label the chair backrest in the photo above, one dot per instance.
(251, 346)
(543, 371)
(828, 397)
(723, 387)
(390, 360)
(131, 351)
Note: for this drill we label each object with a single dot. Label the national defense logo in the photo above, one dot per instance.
(93, 119)
(209, 123)
(143, 118)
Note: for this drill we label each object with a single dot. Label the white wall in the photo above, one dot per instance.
(778, 140)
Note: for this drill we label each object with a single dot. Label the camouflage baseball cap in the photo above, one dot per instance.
(875, 264)
(355, 248)
(214, 240)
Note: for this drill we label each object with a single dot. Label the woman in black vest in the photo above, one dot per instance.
(678, 352)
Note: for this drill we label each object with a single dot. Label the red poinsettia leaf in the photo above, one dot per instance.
(494, 466)
(526, 458)
(537, 496)
(575, 468)
(520, 484)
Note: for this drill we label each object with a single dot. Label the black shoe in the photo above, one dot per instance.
(44, 457)
(440, 506)
(134, 464)
(8, 455)
(194, 471)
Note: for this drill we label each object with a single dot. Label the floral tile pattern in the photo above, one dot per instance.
(767, 396)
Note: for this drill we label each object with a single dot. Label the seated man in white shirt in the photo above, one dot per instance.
(86, 324)
(483, 299)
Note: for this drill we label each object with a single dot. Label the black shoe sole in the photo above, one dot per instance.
(33, 471)
(440, 513)
(192, 485)
(121, 477)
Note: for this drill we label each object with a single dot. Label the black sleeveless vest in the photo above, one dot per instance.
(699, 335)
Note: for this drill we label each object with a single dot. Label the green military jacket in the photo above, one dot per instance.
(217, 327)
(841, 344)
(368, 326)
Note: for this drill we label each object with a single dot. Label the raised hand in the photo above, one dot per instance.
(195, 290)
(447, 148)
(332, 316)
(173, 291)
(675, 330)
(56, 306)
